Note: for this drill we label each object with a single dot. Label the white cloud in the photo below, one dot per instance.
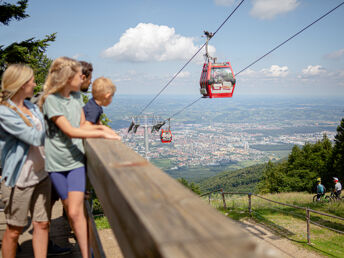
(336, 54)
(224, 2)
(268, 9)
(276, 71)
(150, 42)
(313, 70)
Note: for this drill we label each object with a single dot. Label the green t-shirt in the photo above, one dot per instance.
(61, 152)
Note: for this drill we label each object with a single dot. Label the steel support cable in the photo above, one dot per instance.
(177, 113)
(169, 82)
(290, 38)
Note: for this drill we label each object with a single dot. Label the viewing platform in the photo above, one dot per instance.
(150, 213)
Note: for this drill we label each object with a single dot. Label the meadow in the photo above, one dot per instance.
(290, 222)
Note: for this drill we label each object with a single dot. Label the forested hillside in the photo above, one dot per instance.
(241, 180)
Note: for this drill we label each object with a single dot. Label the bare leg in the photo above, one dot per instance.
(40, 238)
(10, 241)
(75, 211)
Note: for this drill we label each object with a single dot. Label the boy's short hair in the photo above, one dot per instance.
(102, 86)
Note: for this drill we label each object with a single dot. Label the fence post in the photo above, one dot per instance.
(308, 226)
(209, 197)
(223, 198)
(249, 203)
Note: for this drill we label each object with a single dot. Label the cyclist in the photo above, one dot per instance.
(337, 187)
(320, 189)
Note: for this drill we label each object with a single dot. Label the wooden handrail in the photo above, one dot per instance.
(153, 215)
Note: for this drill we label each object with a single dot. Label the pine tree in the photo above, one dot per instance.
(12, 11)
(30, 51)
(338, 153)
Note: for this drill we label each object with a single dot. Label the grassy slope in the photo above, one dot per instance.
(290, 222)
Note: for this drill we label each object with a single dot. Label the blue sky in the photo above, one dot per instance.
(141, 44)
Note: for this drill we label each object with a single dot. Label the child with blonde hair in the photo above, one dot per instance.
(103, 91)
(62, 107)
(25, 184)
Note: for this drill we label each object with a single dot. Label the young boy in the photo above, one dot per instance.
(102, 91)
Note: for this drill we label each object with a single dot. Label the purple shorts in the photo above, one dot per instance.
(69, 181)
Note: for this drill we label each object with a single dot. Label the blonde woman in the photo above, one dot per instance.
(25, 184)
(62, 107)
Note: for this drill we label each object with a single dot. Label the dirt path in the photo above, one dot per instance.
(281, 246)
(110, 245)
(277, 246)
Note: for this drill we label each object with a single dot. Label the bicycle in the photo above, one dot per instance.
(323, 198)
(335, 198)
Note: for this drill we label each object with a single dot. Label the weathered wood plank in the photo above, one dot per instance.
(152, 215)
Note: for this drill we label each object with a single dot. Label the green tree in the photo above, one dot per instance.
(338, 153)
(300, 171)
(274, 178)
(30, 51)
(12, 11)
(192, 186)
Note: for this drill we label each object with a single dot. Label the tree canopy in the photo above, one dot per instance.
(12, 11)
(338, 152)
(30, 51)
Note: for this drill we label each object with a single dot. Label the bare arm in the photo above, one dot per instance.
(81, 132)
(87, 125)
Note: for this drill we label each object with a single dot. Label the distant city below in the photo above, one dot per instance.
(218, 132)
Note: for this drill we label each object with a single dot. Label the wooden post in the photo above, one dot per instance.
(249, 204)
(223, 199)
(308, 226)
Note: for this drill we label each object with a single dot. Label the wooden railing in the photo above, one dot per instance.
(153, 215)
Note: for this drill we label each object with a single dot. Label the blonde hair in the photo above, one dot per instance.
(102, 86)
(61, 71)
(13, 79)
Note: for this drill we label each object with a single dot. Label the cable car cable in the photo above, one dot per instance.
(177, 113)
(189, 60)
(266, 53)
(289, 39)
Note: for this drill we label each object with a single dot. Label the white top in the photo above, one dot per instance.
(337, 186)
(33, 169)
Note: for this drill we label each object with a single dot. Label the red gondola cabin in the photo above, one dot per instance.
(217, 80)
(166, 136)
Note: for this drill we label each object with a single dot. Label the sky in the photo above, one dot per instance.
(141, 44)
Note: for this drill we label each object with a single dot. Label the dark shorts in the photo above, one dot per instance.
(69, 181)
(337, 193)
(319, 195)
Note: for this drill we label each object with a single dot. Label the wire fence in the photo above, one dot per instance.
(293, 212)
